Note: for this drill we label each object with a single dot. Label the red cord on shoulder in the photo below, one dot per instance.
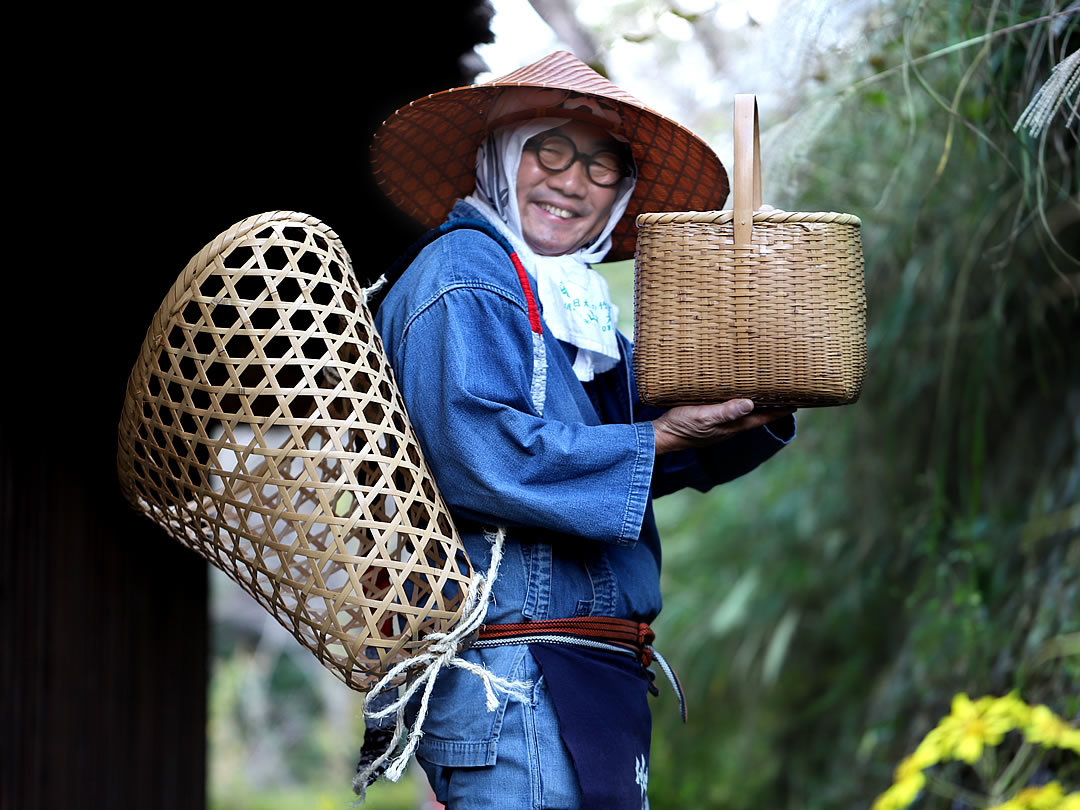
(530, 301)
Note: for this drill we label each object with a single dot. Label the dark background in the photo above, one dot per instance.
(139, 141)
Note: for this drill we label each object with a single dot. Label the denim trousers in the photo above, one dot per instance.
(532, 770)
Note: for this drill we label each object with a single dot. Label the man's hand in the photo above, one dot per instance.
(689, 426)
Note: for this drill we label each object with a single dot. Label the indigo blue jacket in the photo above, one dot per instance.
(572, 476)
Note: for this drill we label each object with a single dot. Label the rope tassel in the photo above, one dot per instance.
(424, 668)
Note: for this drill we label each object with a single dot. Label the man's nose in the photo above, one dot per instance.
(573, 180)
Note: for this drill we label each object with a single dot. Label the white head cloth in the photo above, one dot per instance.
(577, 304)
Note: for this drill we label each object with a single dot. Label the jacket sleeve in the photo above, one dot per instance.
(464, 365)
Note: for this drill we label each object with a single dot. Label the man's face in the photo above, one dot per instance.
(561, 211)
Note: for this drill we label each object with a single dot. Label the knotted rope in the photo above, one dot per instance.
(371, 289)
(425, 668)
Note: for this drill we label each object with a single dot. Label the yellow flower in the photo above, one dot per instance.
(932, 749)
(901, 794)
(929, 752)
(1070, 740)
(1003, 714)
(1046, 728)
(1015, 709)
(908, 767)
(966, 731)
(1047, 797)
(970, 726)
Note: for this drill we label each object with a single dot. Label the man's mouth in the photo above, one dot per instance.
(561, 213)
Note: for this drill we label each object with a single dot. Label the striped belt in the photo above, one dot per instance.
(622, 636)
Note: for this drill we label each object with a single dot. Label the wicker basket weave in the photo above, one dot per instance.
(769, 305)
(262, 428)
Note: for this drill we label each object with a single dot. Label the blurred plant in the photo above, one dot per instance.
(283, 732)
(1063, 83)
(968, 734)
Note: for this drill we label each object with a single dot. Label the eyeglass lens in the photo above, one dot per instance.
(557, 152)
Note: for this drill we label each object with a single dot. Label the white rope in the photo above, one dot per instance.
(442, 651)
(376, 285)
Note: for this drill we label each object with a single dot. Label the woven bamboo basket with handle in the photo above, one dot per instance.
(263, 429)
(767, 305)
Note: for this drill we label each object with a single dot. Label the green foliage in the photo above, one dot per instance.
(400, 796)
(823, 611)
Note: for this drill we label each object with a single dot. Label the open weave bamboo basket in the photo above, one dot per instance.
(262, 428)
(769, 305)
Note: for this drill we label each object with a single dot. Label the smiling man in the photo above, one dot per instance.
(504, 344)
(566, 186)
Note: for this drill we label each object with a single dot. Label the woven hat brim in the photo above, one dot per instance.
(424, 155)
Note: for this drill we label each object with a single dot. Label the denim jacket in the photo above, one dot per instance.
(573, 486)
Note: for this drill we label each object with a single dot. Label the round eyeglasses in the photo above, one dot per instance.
(557, 153)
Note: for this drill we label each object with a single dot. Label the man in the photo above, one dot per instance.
(520, 388)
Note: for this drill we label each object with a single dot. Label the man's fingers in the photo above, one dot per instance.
(742, 406)
(699, 425)
(730, 411)
(717, 413)
(729, 417)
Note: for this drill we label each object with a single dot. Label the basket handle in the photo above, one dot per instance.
(746, 194)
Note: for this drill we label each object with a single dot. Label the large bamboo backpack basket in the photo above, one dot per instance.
(262, 428)
(769, 306)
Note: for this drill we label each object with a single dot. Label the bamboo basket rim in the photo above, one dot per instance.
(727, 215)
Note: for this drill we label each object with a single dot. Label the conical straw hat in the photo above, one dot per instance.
(424, 155)
(262, 428)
